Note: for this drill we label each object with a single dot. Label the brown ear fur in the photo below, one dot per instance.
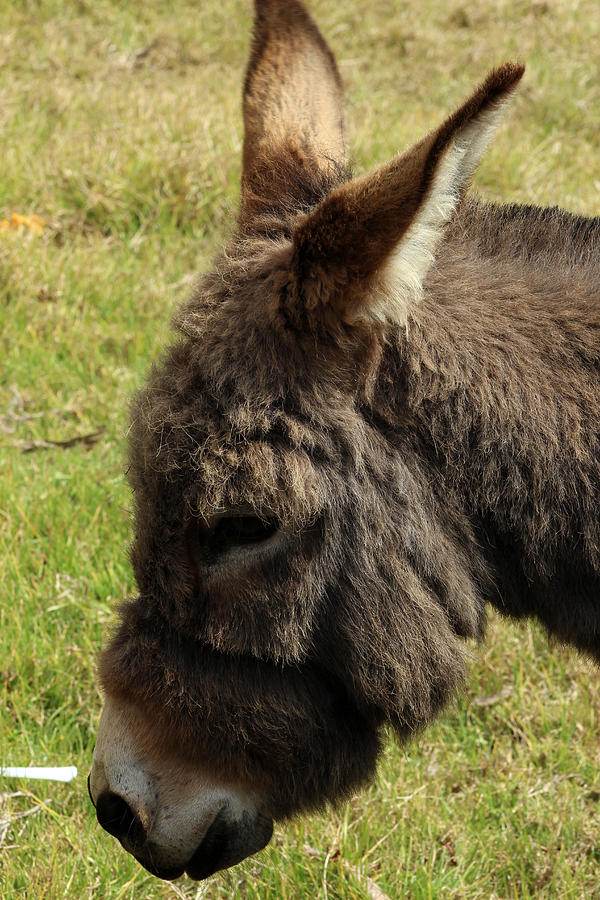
(343, 244)
(293, 103)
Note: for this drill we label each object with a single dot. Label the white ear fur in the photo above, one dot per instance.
(399, 285)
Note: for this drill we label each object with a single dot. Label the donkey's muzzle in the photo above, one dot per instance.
(224, 844)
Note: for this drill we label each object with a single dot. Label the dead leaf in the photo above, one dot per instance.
(7, 679)
(45, 296)
(447, 844)
(18, 222)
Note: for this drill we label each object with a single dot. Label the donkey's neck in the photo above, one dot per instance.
(499, 377)
(544, 237)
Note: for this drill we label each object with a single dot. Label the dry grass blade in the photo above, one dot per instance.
(16, 412)
(8, 818)
(490, 699)
(372, 889)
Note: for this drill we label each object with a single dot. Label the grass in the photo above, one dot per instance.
(120, 127)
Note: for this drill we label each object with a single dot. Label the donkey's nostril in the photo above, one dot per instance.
(114, 814)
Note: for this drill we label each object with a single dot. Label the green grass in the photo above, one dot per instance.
(120, 126)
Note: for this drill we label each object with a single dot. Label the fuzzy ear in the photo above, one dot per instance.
(363, 252)
(293, 105)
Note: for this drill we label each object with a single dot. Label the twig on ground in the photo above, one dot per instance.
(88, 440)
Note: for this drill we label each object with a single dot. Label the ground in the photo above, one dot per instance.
(121, 130)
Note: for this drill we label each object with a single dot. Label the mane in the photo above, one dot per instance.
(546, 237)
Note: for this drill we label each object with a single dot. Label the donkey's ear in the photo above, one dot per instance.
(363, 252)
(293, 107)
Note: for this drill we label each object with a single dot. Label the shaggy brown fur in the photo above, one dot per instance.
(406, 471)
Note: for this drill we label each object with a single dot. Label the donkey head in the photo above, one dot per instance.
(301, 580)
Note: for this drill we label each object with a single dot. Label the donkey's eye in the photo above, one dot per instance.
(233, 530)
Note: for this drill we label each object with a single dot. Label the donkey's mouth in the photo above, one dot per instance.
(212, 853)
(166, 874)
(226, 844)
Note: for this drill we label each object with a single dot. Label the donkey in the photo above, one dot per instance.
(381, 414)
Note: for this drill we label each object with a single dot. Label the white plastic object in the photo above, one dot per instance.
(46, 773)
